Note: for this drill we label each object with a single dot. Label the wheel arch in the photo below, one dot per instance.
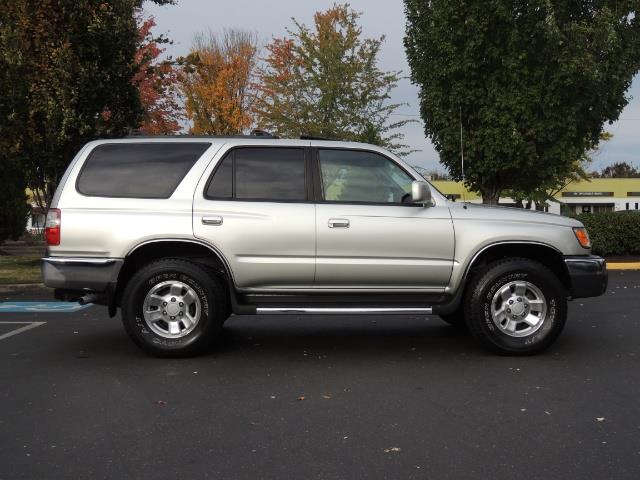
(543, 253)
(197, 251)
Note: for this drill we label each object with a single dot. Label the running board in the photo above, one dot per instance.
(344, 310)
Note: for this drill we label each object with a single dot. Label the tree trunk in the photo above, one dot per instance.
(490, 195)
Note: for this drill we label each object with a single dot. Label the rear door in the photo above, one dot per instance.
(369, 234)
(254, 206)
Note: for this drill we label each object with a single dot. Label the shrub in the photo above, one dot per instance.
(613, 233)
(14, 208)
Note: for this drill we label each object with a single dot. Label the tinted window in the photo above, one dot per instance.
(138, 170)
(263, 173)
(353, 176)
(221, 185)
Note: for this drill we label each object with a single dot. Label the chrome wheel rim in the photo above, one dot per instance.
(172, 309)
(518, 309)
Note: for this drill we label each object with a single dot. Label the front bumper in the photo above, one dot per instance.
(80, 274)
(588, 275)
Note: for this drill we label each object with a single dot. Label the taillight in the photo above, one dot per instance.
(52, 227)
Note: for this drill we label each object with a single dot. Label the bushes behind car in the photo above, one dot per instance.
(613, 233)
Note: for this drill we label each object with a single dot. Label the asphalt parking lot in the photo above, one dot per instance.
(321, 397)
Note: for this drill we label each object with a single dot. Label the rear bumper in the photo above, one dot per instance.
(86, 274)
(588, 275)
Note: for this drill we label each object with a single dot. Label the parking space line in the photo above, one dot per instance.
(28, 326)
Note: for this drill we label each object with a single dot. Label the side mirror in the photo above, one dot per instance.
(420, 192)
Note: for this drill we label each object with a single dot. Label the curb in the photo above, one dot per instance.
(16, 287)
(623, 266)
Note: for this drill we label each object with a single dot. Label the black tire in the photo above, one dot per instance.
(211, 293)
(480, 295)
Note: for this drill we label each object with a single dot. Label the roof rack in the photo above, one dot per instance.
(256, 132)
(313, 137)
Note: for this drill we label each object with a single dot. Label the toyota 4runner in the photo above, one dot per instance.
(180, 233)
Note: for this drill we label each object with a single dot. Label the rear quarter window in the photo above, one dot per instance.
(137, 170)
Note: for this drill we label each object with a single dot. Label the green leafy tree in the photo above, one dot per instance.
(531, 84)
(325, 81)
(620, 170)
(15, 209)
(71, 65)
(546, 192)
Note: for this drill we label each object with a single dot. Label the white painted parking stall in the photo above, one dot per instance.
(21, 328)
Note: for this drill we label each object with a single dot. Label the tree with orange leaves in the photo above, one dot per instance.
(157, 82)
(216, 82)
(325, 81)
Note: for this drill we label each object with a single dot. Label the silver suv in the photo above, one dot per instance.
(180, 233)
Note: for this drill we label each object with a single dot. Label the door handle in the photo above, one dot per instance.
(217, 220)
(338, 223)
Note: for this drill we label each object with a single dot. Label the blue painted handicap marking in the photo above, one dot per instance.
(22, 307)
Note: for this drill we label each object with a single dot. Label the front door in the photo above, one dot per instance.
(254, 208)
(369, 234)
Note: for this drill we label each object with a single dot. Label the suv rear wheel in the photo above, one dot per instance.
(174, 308)
(516, 307)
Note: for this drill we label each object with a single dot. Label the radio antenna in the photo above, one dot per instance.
(461, 144)
(462, 155)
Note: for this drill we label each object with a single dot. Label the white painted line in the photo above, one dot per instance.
(28, 326)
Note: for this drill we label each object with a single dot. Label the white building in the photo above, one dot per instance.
(596, 195)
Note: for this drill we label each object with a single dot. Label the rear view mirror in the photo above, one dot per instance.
(420, 192)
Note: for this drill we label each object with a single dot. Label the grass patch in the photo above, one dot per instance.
(20, 269)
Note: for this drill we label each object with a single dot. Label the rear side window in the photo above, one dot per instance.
(264, 173)
(221, 185)
(137, 170)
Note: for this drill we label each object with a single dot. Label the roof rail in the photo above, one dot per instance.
(258, 132)
(254, 133)
(313, 137)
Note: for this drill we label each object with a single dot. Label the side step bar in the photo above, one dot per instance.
(342, 310)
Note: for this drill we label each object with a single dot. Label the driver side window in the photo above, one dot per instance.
(352, 176)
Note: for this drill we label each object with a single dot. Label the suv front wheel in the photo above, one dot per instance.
(516, 307)
(174, 308)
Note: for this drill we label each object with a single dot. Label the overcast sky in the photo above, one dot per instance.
(379, 17)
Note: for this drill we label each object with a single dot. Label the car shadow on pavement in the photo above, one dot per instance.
(364, 337)
(262, 337)
(379, 336)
